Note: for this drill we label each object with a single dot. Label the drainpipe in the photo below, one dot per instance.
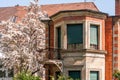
(47, 22)
(49, 48)
(49, 36)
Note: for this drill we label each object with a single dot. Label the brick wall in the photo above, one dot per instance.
(117, 7)
(116, 43)
(108, 47)
(115, 46)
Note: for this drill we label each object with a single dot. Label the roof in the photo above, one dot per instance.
(55, 8)
(8, 12)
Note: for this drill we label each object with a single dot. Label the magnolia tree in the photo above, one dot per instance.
(23, 43)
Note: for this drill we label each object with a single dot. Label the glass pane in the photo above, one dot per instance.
(1, 65)
(2, 73)
(59, 37)
(75, 75)
(94, 75)
(94, 34)
(58, 30)
(75, 33)
(10, 73)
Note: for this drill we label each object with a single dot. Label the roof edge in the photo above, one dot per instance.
(79, 10)
(68, 3)
(95, 6)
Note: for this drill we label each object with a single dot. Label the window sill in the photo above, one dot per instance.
(85, 50)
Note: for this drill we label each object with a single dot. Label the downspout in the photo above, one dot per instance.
(49, 49)
(49, 36)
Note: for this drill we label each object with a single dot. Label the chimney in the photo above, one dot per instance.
(117, 7)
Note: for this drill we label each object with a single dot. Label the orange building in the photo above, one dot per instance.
(84, 40)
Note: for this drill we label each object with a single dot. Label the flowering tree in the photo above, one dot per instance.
(23, 43)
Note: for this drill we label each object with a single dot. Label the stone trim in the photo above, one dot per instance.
(90, 13)
(99, 24)
(84, 51)
(94, 69)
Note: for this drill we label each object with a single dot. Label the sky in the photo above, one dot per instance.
(103, 5)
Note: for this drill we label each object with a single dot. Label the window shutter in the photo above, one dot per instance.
(75, 33)
(94, 34)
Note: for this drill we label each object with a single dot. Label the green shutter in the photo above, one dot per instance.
(59, 37)
(94, 34)
(94, 75)
(75, 75)
(75, 33)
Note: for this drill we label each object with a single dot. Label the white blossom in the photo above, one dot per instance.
(23, 43)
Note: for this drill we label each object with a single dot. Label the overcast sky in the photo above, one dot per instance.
(103, 5)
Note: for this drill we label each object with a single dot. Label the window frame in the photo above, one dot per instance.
(56, 32)
(100, 35)
(93, 46)
(79, 45)
(98, 74)
(75, 71)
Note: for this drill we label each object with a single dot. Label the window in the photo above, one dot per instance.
(75, 75)
(58, 37)
(74, 35)
(58, 30)
(94, 75)
(13, 18)
(5, 73)
(2, 73)
(10, 73)
(94, 36)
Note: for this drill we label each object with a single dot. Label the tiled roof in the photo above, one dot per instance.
(8, 12)
(54, 8)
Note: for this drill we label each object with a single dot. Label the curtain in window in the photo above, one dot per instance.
(94, 34)
(75, 33)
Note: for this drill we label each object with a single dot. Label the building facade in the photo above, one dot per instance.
(85, 40)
